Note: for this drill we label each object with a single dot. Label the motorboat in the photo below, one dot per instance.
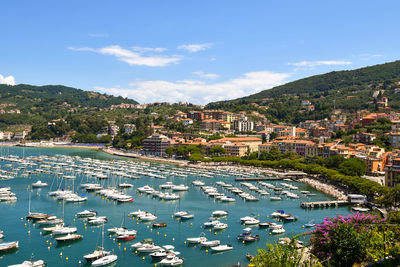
(171, 261)
(97, 254)
(142, 243)
(125, 185)
(220, 226)
(219, 213)
(187, 216)
(148, 217)
(137, 213)
(64, 230)
(39, 184)
(277, 213)
(309, 224)
(275, 198)
(211, 223)
(30, 263)
(105, 260)
(198, 183)
(6, 246)
(87, 213)
(278, 231)
(69, 237)
(146, 248)
(211, 243)
(180, 213)
(114, 230)
(180, 187)
(252, 221)
(196, 240)
(251, 238)
(158, 225)
(221, 248)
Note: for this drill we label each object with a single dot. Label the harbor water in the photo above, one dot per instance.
(33, 240)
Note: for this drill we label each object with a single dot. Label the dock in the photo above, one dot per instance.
(324, 204)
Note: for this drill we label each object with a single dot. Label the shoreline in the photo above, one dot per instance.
(325, 188)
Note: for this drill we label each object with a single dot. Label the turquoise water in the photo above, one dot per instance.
(194, 200)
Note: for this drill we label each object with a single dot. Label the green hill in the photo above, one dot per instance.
(347, 90)
(29, 105)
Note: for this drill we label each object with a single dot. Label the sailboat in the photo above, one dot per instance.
(99, 252)
(106, 259)
(34, 215)
(61, 229)
(125, 234)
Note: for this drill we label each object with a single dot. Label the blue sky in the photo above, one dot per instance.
(190, 51)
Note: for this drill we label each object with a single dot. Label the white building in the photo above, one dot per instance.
(243, 125)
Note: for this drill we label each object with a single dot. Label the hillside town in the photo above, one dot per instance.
(373, 137)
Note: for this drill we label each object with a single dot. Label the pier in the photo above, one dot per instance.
(324, 204)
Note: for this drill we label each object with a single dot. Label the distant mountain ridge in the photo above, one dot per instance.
(29, 104)
(326, 91)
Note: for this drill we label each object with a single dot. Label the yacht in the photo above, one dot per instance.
(211, 243)
(219, 213)
(39, 184)
(196, 240)
(149, 248)
(105, 260)
(171, 261)
(221, 248)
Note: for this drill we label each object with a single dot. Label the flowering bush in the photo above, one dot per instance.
(343, 241)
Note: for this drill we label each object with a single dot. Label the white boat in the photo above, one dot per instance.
(227, 199)
(142, 243)
(31, 263)
(221, 248)
(196, 240)
(210, 223)
(198, 183)
(87, 213)
(105, 260)
(211, 243)
(219, 213)
(64, 230)
(125, 185)
(149, 248)
(187, 216)
(137, 213)
(39, 184)
(252, 221)
(220, 226)
(171, 261)
(69, 237)
(148, 217)
(275, 198)
(181, 213)
(97, 254)
(180, 187)
(8, 246)
(278, 231)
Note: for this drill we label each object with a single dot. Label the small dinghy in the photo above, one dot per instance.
(158, 225)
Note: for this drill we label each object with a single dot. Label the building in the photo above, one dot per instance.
(394, 138)
(187, 122)
(218, 115)
(196, 115)
(20, 135)
(243, 125)
(155, 145)
(236, 149)
(364, 138)
(392, 173)
(251, 142)
(303, 148)
(113, 130)
(129, 128)
(210, 125)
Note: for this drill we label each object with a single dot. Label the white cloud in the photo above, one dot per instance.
(148, 49)
(132, 57)
(206, 75)
(98, 35)
(193, 48)
(7, 80)
(320, 63)
(198, 92)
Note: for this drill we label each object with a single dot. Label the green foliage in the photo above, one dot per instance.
(325, 92)
(279, 255)
(353, 167)
(217, 150)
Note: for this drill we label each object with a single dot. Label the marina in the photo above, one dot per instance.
(199, 212)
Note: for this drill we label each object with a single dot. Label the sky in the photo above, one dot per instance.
(190, 51)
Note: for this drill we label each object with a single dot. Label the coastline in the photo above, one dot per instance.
(328, 189)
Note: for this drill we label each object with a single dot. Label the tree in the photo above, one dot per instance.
(353, 167)
(279, 255)
(217, 150)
